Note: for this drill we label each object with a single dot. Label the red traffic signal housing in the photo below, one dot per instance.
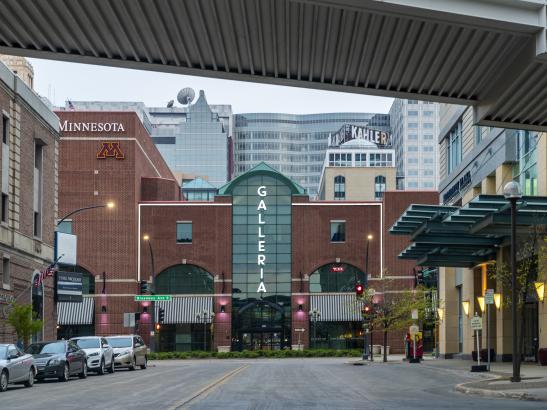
(359, 289)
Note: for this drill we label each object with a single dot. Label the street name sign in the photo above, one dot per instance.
(299, 329)
(476, 323)
(152, 298)
(489, 297)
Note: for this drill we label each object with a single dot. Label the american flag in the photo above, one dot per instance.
(44, 273)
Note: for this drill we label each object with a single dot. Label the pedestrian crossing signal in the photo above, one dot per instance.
(161, 315)
(359, 289)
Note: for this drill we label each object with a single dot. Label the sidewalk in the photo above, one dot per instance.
(495, 383)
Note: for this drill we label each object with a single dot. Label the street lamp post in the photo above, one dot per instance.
(512, 192)
(367, 348)
(152, 291)
(56, 257)
(315, 314)
(204, 317)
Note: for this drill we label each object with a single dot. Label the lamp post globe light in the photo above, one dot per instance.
(513, 193)
(315, 314)
(203, 317)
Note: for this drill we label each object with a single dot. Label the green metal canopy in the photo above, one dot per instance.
(467, 236)
(262, 169)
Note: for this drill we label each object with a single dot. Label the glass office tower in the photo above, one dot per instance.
(293, 144)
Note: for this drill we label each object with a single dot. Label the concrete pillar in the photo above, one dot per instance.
(468, 294)
(488, 185)
(448, 328)
(504, 338)
(504, 174)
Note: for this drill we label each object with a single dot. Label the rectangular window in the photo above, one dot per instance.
(478, 134)
(412, 136)
(413, 185)
(184, 232)
(428, 113)
(412, 148)
(337, 231)
(6, 273)
(428, 148)
(428, 125)
(428, 136)
(454, 146)
(5, 129)
(413, 101)
(412, 125)
(413, 113)
(5, 208)
(38, 160)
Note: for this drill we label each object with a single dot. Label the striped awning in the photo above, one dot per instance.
(184, 309)
(336, 307)
(71, 313)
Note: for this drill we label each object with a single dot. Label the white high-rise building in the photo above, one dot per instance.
(415, 130)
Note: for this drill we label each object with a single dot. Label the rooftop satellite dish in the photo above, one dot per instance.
(186, 96)
(170, 103)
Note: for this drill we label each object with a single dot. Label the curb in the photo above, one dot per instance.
(465, 389)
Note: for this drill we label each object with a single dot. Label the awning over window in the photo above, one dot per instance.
(467, 236)
(184, 309)
(336, 307)
(70, 313)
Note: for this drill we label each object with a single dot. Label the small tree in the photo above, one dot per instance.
(394, 312)
(24, 321)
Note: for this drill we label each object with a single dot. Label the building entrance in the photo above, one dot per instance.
(260, 325)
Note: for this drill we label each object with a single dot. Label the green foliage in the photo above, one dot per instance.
(255, 354)
(24, 321)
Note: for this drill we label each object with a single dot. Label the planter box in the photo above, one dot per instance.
(382, 350)
(223, 349)
(376, 349)
(542, 356)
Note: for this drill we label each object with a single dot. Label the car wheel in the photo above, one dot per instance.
(145, 364)
(66, 374)
(4, 380)
(102, 369)
(133, 363)
(112, 367)
(30, 381)
(83, 374)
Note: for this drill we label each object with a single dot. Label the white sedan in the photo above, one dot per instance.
(100, 355)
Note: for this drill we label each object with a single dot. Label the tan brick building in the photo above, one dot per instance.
(28, 205)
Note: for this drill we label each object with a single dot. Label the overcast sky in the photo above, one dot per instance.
(60, 81)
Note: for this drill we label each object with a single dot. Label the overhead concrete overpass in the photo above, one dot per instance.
(491, 54)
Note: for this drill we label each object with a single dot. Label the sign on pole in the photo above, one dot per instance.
(476, 323)
(152, 298)
(68, 287)
(414, 314)
(413, 330)
(299, 329)
(489, 297)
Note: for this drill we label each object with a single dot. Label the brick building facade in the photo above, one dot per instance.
(243, 271)
(28, 204)
(107, 157)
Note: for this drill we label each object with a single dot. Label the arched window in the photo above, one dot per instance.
(335, 277)
(379, 186)
(339, 187)
(184, 279)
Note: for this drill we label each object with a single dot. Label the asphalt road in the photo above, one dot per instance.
(260, 384)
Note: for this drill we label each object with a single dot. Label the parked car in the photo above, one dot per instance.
(58, 359)
(129, 351)
(15, 367)
(100, 355)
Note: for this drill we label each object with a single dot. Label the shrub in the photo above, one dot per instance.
(255, 354)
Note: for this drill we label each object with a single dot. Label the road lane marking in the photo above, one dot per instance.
(207, 389)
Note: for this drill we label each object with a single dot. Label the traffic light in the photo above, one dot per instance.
(143, 287)
(359, 289)
(419, 278)
(158, 327)
(161, 315)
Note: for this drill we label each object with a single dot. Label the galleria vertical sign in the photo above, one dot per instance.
(261, 257)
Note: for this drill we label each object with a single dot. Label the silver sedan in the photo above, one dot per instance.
(15, 367)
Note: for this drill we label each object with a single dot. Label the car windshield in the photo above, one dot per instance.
(120, 342)
(44, 348)
(3, 352)
(88, 343)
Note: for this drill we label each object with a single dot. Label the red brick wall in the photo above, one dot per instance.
(159, 189)
(107, 238)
